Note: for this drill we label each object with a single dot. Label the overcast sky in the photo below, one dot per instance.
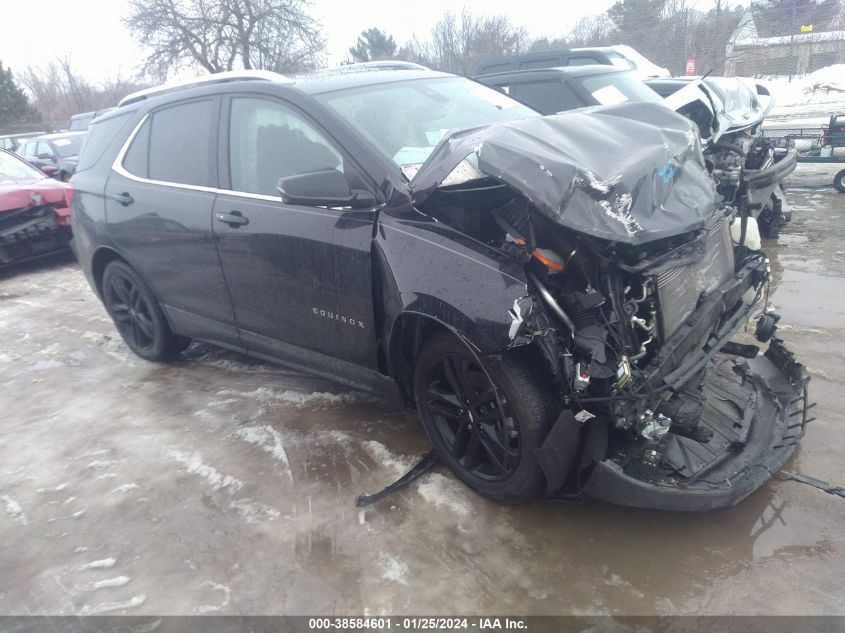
(100, 46)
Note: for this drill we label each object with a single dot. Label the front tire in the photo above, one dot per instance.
(484, 420)
(137, 315)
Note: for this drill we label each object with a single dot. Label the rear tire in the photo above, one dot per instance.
(484, 420)
(839, 181)
(137, 315)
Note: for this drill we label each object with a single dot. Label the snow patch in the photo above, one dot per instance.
(254, 512)
(14, 510)
(117, 581)
(104, 563)
(298, 398)
(101, 464)
(126, 488)
(208, 608)
(192, 462)
(381, 454)
(112, 606)
(444, 492)
(392, 569)
(269, 439)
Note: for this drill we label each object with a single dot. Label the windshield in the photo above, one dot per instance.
(14, 169)
(610, 88)
(68, 145)
(407, 119)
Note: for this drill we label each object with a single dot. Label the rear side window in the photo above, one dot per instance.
(176, 144)
(582, 60)
(99, 136)
(546, 96)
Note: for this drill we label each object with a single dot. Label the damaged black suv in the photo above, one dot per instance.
(555, 295)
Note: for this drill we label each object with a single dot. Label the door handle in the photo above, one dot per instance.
(123, 198)
(233, 219)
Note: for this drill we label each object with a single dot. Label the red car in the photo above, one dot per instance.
(34, 211)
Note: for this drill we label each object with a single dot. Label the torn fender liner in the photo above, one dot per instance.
(630, 172)
(557, 454)
(426, 463)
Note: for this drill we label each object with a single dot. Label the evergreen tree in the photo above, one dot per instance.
(14, 105)
(373, 45)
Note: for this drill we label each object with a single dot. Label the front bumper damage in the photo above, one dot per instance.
(757, 411)
(753, 412)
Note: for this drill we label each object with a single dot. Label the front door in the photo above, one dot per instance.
(300, 278)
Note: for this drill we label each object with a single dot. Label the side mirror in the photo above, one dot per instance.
(50, 170)
(44, 156)
(325, 188)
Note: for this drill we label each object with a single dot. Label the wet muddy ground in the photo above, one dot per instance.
(222, 485)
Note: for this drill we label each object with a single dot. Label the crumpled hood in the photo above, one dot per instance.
(31, 193)
(630, 172)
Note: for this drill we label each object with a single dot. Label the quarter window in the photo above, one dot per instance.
(268, 141)
(176, 144)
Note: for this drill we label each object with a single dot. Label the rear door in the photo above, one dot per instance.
(300, 277)
(159, 199)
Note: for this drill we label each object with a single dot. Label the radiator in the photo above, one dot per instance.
(679, 289)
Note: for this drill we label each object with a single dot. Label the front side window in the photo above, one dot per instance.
(43, 149)
(175, 144)
(268, 141)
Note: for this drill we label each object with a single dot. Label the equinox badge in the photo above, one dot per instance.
(334, 316)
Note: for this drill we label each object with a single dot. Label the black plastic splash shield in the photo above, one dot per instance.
(758, 412)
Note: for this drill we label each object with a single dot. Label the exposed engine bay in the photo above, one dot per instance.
(633, 320)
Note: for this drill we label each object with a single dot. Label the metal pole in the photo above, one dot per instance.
(792, 62)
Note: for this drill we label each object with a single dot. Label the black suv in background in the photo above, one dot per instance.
(552, 90)
(555, 295)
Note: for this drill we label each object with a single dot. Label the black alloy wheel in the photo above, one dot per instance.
(137, 315)
(469, 418)
(484, 422)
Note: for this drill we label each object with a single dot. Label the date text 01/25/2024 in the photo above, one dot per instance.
(416, 624)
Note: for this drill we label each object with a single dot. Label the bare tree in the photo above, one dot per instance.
(459, 41)
(220, 35)
(58, 91)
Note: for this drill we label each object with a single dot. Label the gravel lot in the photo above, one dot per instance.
(222, 485)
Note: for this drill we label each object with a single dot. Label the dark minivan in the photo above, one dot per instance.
(555, 295)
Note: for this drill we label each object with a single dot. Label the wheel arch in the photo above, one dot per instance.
(102, 257)
(408, 333)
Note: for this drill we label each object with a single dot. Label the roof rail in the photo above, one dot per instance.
(386, 64)
(204, 80)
